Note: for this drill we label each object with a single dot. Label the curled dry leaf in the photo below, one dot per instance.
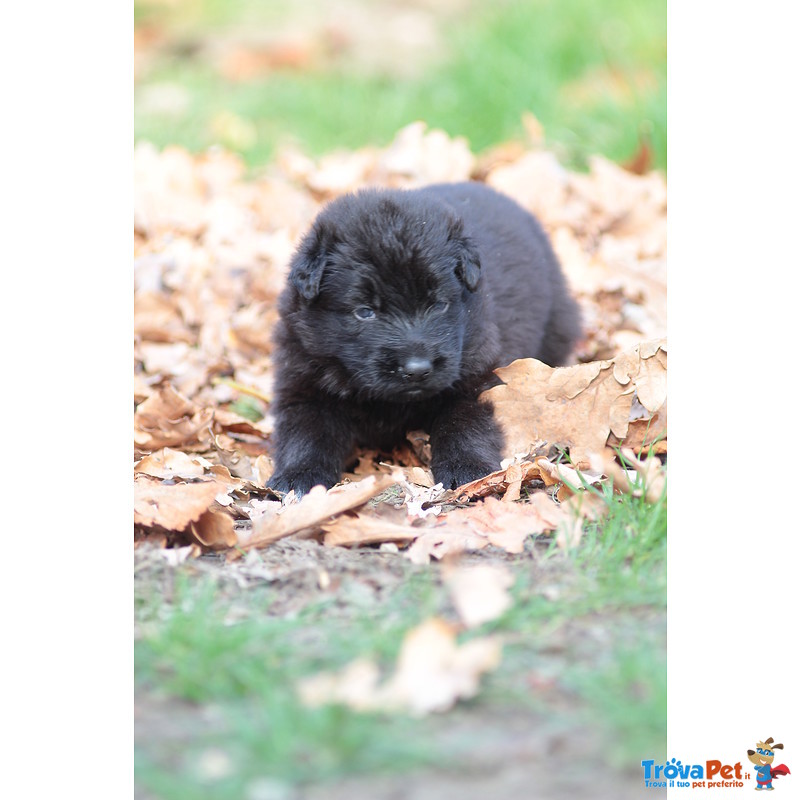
(559, 473)
(651, 471)
(479, 592)
(168, 419)
(362, 529)
(585, 505)
(433, 672)
(578, 406)
(653, 475)
(423, 501)
(501, 481)
(314, 508)
(214, 530)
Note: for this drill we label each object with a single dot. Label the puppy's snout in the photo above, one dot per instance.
(417, 369)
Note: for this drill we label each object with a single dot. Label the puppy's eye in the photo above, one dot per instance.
(364, 313)
(440, 306)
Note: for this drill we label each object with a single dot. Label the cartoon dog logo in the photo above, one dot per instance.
(762, 757)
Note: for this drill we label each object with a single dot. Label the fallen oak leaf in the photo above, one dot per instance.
(621, 479)
(346, 531)
(508, 525)
(479, 592)
(646, 365)
(499, 482)
(231, 422)
(168, 419)
(314, 508)
(514, 477)
(444, 540)
(578, 406)
(171, 506)
(645, 435)
(169, 463)
(433, 672)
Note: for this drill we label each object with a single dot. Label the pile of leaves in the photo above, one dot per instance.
(212, 247)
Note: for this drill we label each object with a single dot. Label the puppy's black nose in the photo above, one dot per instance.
(417, 369)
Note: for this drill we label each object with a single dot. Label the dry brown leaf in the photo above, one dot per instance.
(508, 525)
(586, 505)
(536, 180)
(569, 533)
(419, 156)
(433, 672)
(553, 474)
(316, 507)
(645, 435)
(500, 482)
(514, 476)
(651, 470)
(214, 530)
(419, 476)
(479, 592)
(653, 475)
(171, 506)
(355, 686)
(576, 406)
(234, 423)
(345, 531)
(263, 467)
(168, 419)
(155, 539)
(445, 540)
(169, 463)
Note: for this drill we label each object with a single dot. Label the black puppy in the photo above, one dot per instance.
(398, 307)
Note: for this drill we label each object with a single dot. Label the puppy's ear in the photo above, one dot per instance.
(308, 263)
(468, 266)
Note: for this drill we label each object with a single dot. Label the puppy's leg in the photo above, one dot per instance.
(466, 442)
(313, 442)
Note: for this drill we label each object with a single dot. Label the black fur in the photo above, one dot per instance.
(398, 307)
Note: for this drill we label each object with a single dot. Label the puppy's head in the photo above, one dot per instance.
(384, 282)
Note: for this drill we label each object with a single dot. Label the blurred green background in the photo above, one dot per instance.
(253, 75)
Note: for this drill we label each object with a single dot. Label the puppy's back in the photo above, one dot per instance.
(526, 292)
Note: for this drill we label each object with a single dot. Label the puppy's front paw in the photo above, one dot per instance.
(453, 475)
(301, 480)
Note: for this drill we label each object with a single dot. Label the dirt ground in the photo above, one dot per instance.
(501, 752)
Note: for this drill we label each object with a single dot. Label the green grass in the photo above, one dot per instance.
(190, 651)
(593, 73)
(215, 646)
